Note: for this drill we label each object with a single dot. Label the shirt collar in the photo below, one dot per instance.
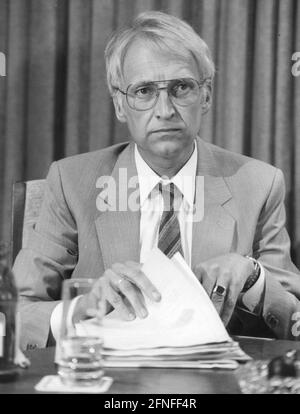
(184, 180)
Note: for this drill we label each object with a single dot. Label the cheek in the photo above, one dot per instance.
(137, 124)
(192, 118)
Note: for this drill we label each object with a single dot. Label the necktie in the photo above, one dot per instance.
(169, 240)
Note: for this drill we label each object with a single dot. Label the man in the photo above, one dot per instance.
(160, 77)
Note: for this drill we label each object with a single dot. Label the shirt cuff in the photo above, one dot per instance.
(55, 320)
(56, 317)
(253, 296)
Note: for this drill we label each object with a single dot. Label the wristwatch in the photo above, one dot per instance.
(252, 278)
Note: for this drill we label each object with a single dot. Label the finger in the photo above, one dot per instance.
(142, 312)
(128, 305)
(204, 279)
(143, 283)
(229, 304)
(140, 295)
(136, 276)
(219, 292)
(124, 286)
(119, 305)
(115, 299)
(210, 277)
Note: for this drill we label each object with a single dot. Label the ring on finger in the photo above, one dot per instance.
(219, 290)
(120, 281)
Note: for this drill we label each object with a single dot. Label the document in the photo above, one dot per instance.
(185, 316)
(182, 330)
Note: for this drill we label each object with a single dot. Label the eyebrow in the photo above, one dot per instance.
(141, 83)
(145, 82)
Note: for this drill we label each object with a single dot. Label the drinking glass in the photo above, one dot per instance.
(79, 351)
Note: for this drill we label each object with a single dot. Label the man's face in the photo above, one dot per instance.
(166, 131)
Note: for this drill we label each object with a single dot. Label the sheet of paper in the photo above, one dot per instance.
(207, 364)
(184, 317)
(210, 351)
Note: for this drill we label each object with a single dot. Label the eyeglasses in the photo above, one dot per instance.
(142, 96)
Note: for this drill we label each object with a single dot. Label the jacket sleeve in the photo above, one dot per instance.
(282, 279)
(48, 258)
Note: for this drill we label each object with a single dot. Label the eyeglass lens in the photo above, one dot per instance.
(182, 92)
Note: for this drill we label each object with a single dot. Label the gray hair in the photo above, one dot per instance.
(164, 31)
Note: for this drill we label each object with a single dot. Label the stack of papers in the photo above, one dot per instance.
(183, 330)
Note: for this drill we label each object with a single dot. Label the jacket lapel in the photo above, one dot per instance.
(214, 234)
(118, 228)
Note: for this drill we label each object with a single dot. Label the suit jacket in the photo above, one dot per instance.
(243, 212)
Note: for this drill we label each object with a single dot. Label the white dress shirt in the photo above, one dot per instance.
(151, 202)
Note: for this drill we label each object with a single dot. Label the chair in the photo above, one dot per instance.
(27, 199)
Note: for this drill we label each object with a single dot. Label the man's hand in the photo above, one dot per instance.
(124, 287)
(229, 271)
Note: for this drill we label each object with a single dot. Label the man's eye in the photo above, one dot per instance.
(181, 88)
(144, 91)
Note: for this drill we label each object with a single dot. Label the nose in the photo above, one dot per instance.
(164, 108)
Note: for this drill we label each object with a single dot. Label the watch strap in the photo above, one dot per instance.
(252, 278)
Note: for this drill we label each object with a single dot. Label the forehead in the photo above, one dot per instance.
(144, 62)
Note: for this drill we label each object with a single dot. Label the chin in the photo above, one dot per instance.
(168, 149)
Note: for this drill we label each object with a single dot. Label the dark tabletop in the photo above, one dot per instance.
(154, 380)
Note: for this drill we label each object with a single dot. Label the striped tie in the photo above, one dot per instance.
(169, 241)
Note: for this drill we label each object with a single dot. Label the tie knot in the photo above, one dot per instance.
(167, 188)
(168, 195)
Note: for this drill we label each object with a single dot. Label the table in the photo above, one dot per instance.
(154, 380)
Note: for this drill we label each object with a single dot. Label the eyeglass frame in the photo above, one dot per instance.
(200, 85)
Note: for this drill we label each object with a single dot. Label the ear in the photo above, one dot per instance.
(206, 97)
(118, 101)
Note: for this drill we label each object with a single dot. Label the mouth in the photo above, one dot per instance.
(165, 130)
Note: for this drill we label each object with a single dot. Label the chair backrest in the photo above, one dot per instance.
(27, 199)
